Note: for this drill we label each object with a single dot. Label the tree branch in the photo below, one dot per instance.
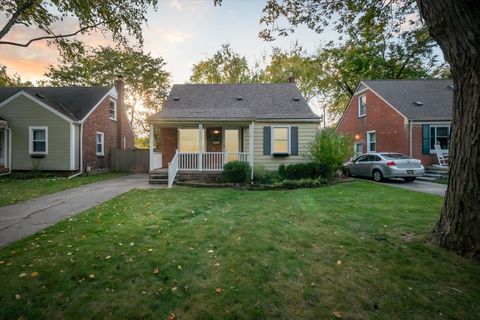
(13, 19)
(53, 36)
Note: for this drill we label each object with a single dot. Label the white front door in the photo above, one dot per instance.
(2, 148)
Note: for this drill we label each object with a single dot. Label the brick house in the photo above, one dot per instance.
(62, 128)
(406, 116)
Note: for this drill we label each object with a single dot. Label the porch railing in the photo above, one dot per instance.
(207, 161)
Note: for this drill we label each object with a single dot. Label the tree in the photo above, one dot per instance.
(123, 18)
(146, 81)
(224, 66)
(455, 26)
(11, 81)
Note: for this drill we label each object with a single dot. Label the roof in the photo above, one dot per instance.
(235, 102)
(73, 102)
(435, 97)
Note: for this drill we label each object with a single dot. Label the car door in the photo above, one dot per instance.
(356, 168)
(369, 164)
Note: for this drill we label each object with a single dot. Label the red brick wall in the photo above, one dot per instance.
(167, 144)
(389, 125)
(99, 121)
(427, 159)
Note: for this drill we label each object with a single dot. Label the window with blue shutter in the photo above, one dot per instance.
(294, 141)
(267, 138)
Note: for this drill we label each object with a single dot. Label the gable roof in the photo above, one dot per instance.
(436, 97)
(73, 102)
(235, 102)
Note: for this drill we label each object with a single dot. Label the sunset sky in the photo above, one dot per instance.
(182, 32)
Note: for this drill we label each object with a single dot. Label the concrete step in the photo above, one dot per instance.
(426, 178)
(158, 181)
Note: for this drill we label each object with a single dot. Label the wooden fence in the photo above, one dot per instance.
(130, 160)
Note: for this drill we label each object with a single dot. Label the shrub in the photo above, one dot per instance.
(262, 176)
(236, 172)
(310, 170)
(330, 149)
(282, 171)
(302, 183)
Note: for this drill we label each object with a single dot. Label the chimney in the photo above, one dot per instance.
(121, 116)
(291, 77)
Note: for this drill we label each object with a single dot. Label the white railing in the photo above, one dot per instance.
(172, 170)
(188, 161)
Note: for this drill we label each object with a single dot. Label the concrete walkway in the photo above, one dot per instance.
(23, 219)
(419, 186)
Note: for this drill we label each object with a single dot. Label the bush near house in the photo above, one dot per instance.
(262, 176)
(310, 170)
(236, 172)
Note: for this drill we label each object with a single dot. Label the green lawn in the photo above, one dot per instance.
(441, 180)
(355, 250)
(13, 189)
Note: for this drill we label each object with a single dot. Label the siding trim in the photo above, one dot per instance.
(30, 140)
(23, 93)
(72, 146)
(112, 93)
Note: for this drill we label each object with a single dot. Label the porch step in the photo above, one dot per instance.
(159, 176)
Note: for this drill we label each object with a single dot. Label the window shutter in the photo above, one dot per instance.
(267, 139)
(425, 139)
(294, 141)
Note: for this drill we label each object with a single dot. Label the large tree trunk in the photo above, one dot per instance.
(455, 25)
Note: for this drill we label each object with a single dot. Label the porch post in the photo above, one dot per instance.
(152, 144)
(251, 138)
(200, 146)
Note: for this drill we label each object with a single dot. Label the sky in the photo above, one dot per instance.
(183, 32)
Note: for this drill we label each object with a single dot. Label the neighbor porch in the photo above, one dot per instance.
(198, 147)
(5, 142)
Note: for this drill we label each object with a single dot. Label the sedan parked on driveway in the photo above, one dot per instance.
(380, 165)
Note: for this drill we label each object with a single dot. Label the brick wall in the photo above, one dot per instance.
(427, 159)
(390, 127)
(117, 134)
(166, 144)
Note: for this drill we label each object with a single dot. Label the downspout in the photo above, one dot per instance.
(9, 153)
(410, 147)
(80, 145)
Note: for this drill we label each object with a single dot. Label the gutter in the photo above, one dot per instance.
(9, 153)
(410, 138)
(80, 145)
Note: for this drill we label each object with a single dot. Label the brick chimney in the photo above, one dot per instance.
(291, 77)
(121, 117)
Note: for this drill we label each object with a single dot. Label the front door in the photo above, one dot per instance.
(232, 143)
(2, 148)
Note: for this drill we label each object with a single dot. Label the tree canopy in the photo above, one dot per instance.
(146, 80)
(11, 81)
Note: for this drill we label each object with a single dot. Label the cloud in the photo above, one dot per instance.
(167, 35)
(176, 5)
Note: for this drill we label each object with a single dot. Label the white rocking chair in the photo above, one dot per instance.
(442, 157)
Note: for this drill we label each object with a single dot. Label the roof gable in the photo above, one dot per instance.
(72, 102)
(434, 97)
(236, 101)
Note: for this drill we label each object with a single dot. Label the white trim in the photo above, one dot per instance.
(432, 151)
(358, 105)
(151, 143)
(200, 146)
(5, 155)
(251, 132)
(272, 138)
(114, 107)
(72, 146)
(355, 148)
(124, 143)
(36, 100)
(102, 143)
(113, 93)
(368, 141)
(30, 139)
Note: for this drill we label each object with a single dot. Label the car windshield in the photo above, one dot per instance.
(392, 156)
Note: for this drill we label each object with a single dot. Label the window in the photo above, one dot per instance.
(38, 140)
(439, 135)
(188, 140)
(280, 138)
(371, 141)
(113, 109)
(358, 148)
(100, 144)
(362, 106)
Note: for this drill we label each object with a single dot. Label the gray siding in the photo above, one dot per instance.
(21, 113)
(306, 133)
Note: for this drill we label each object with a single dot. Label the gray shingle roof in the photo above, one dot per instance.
(222, 102)
(435, 95)
(73, 102)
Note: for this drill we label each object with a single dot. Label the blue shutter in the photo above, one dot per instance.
(267, 139)
(425, 139)
(294, 141)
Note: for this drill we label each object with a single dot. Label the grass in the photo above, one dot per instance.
(14, 190)
(441, 180)
(356, 250)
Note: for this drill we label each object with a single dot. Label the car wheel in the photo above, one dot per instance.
(409, 179)
(348, 173)
(377, 175)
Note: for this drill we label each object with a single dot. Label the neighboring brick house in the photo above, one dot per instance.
(406, 116)
(59, 128)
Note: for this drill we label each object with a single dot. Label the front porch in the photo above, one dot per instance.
(197, 147)
(5, 142)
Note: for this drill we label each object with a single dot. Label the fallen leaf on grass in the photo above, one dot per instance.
(155, 271)
(108, 257)
(218, 290)
(339, 262)
(2, 262)
(23, 274)
(171, 316)
(91, 276)
(34, 274)
(337, 314)
(17, 296)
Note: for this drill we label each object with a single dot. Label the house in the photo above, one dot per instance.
(203, 126)
(62, 128)
(406, 116)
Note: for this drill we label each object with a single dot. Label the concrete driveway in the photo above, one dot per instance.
(419, 186)
(23, 219)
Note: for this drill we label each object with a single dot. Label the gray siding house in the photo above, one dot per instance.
(41, 128)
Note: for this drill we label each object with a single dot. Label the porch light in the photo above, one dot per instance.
(216, 131)
(357, 137)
